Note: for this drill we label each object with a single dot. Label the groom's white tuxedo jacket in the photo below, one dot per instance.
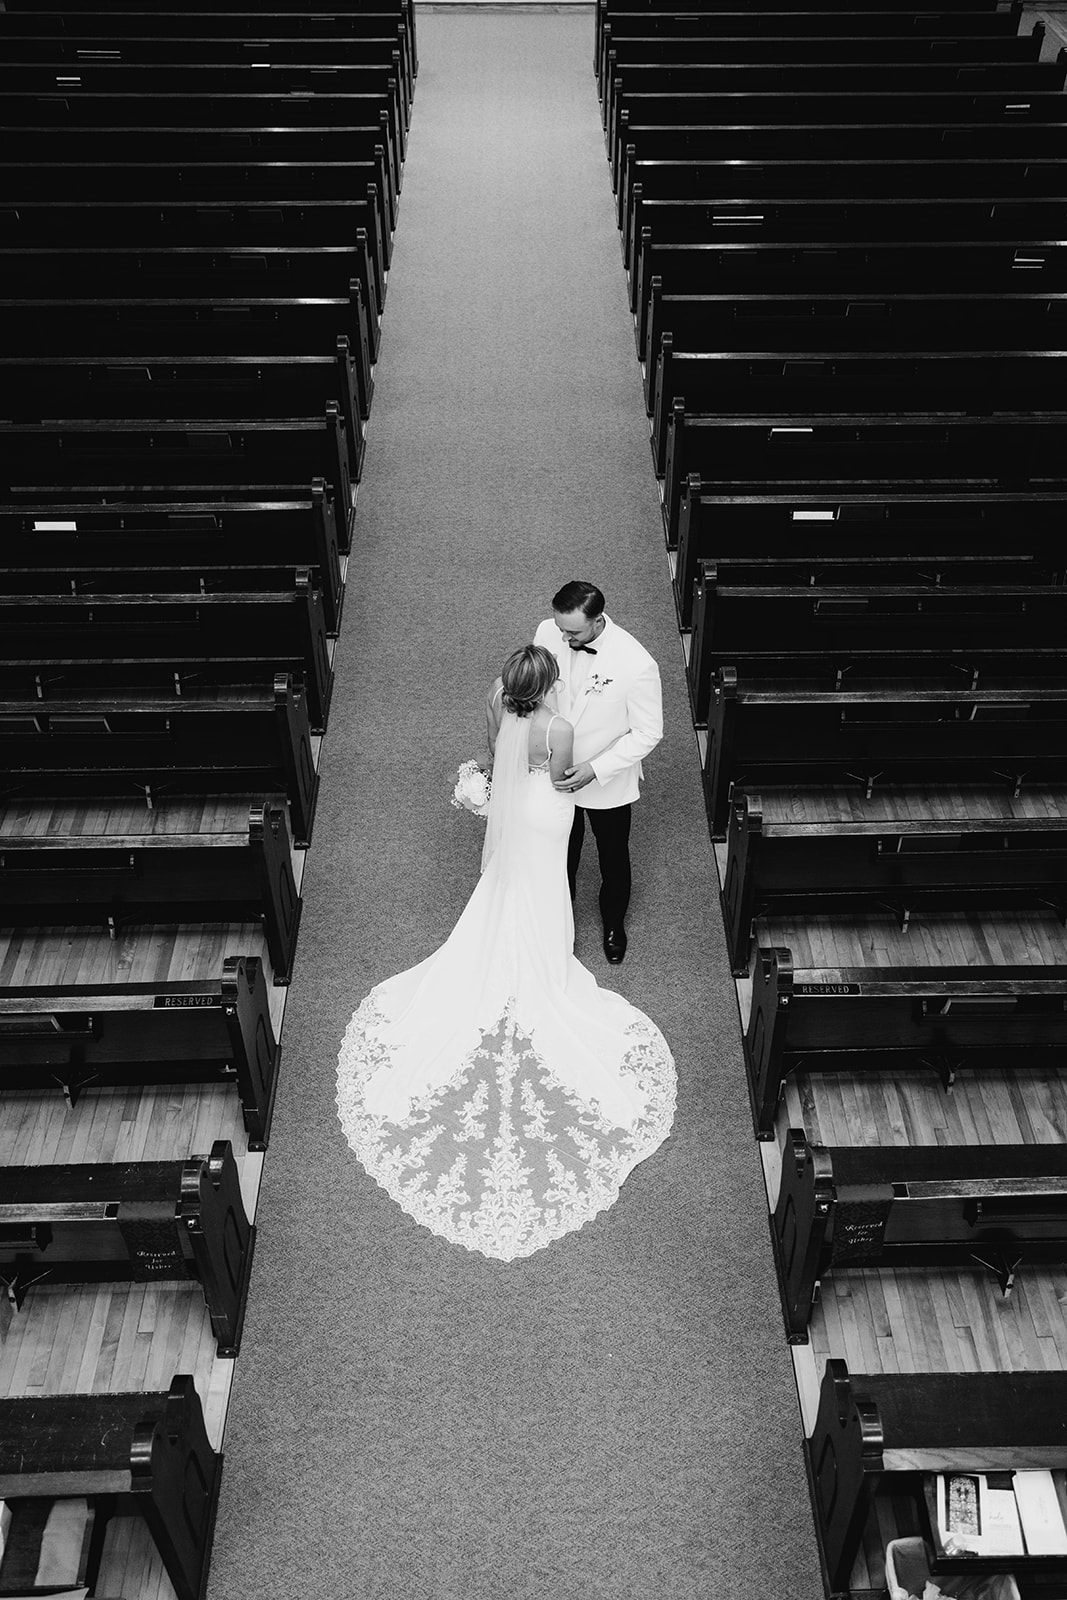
(613, 700)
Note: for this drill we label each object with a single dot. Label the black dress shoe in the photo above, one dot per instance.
(614, 944)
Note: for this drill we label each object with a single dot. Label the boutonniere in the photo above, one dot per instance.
(595, 684)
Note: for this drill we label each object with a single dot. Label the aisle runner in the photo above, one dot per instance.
(615, 1415)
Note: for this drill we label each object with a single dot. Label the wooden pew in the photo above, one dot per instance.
(187, 51)
(115, 880)
(899, 734)
(205, 326)
(803, 454)
(835, 520)
(267, 182)
(30, 109)
(157, 746)
(871, 1429)
(871, 620)
(197, 458)
(897, 1019)
(795, 620)
(787, 217)
(669, 272)
(800, 451)
(208, 1030)
(195, 623)
(214, 534)
(145, 1454)
(614, 22)
(651, 63)
(256, 26)
(811, 869)
(227, 145)
(202, 388)
(648, 184)
(841, 368)
(995, 1206)
(179, 90)
(139, 1222)
(219, 224)
(943, 88)
(948, 110)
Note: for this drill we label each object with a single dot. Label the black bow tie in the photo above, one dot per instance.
(586, 647)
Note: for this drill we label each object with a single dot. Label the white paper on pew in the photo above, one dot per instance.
(998, 1518)
(55, 527)
(1040, 1514)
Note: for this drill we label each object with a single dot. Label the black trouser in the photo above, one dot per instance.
(611, 830)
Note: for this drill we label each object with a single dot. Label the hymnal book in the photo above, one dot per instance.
(1040, 1514)
(977, 1513)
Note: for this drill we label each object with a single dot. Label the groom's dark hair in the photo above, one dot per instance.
(575, 596)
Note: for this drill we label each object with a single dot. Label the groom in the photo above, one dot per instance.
(610, 690)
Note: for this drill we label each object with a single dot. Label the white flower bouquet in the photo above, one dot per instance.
(472, 790)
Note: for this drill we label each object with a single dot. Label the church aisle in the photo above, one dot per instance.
(614, 1415)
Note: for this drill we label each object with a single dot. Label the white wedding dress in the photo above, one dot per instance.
(495, 1091)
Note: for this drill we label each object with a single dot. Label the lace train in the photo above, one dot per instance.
(503, 1158)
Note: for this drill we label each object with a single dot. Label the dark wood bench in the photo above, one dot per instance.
(899, 734)
(192, 624)
(614, 22)
(811, 869)
(729, 109)
(219, 224)
(883, 1430)
(651, 63)
(802, 452)
(848, 629)
(208, 1030)
(643, 145)
(64, 181)
(242, 83)
(897, 1019)
(862, 373)
(995, 1206)
(155, 746)
(790, 218)
(145, 146)
(647, 184)
(116, 880)
(214, 534)
(837, 520)
(144, 1454)
(934, 83)
(261, 387)
(107, 331)
(668, 273)
(139, 1222)
(237, 458)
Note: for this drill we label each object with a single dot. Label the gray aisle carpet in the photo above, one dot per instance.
(614, 1416)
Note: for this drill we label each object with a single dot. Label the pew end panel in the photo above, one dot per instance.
(145, 1454)
(764, 1043)
(799, 1228)
(739, 883)
(844, 1456)
(269, 838)
(222, 1240)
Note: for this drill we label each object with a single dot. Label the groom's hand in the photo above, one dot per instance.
(576, 778)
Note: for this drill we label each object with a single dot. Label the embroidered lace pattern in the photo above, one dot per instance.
(503, 1159)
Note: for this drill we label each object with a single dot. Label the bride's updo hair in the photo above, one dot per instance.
(528, 675)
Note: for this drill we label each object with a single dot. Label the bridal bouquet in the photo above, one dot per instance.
(473, 786)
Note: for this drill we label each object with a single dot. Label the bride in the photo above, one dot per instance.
(495, 1091)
